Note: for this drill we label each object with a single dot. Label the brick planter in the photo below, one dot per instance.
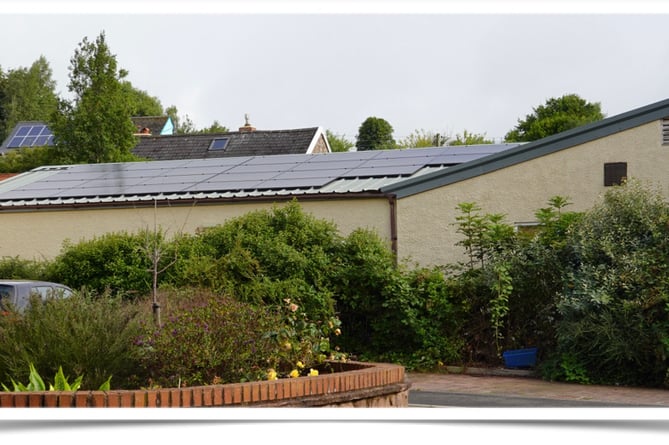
(353, 384)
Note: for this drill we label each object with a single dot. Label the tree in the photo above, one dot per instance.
(421, 139)
(96, 125)
(181, 125)
(338, 143)
(375, 134)
(26, 94)
(557, 115)
(141, 102)
(215, 127)
(467, 138)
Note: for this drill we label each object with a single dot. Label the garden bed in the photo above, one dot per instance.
(351, 384)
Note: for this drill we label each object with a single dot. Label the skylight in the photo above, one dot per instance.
(219, 144)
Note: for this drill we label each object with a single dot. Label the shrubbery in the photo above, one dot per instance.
(272, 293)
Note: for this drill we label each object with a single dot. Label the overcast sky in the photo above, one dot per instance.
(441, 71)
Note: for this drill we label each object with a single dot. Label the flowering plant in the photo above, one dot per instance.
(302, 344)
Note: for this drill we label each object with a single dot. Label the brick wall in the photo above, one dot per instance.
(355, 384)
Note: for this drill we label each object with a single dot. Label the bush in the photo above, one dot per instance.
(113, 262)
(17, 268)
(209, 338)
(614, 313)
(87, 335)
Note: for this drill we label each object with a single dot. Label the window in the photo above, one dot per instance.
(665, 131)
(615, 173)
(218, 144)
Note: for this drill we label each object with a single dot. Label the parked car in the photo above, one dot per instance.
(16, 293)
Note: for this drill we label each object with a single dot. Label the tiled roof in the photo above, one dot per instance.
(153, 123)
(244, 143)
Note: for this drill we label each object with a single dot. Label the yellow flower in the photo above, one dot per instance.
(313, 372)
(294, 373)
(287, 346)
(271, 375)
(300, 365)
(337, 331)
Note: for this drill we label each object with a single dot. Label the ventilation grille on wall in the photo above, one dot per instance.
(665, 131)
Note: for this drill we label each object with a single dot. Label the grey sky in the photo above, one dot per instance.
(441, 72)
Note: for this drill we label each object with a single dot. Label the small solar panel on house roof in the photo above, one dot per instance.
(31, 135)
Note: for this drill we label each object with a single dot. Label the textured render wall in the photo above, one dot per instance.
(40, 234)
(356, 384)
(425, 220)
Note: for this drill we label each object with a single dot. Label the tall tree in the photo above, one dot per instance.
(467, 138)
(557, 115)
(338, 142)
(26, 94)
(375, 134)
(96, 125)
(141, 102)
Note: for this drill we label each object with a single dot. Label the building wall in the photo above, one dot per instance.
(425, 221)
(40, 234)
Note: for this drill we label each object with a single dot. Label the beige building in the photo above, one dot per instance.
(409, 197)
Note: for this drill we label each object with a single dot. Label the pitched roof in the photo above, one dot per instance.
(239, 143)
(533, 150)
(232, 177)
(155, 124)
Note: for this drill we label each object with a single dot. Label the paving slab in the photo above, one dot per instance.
(524, 384)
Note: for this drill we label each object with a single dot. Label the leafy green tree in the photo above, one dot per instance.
(338, 143)
(467, 138)
(26, 94)
(141, 102)
(182, 125)
(215, 127)
(557, 115)
(375, 134)
(96, 125)
(421, 139)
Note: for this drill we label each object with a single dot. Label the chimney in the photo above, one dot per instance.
(247, 128)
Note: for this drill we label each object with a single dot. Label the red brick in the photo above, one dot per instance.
(113, 399)
(81, 399)
(164, 398)
(51, 399)
(197, 396)
(152, 398)
(186, 397)
(98, 399)
(66, 399)
(236, 393)
(246, 392)
(175, 398)
(207, 396)
(218, 395)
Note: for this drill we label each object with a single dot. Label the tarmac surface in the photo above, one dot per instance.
(520, 388)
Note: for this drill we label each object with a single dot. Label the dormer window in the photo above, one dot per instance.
(218, 144)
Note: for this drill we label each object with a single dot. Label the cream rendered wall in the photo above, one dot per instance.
(425, 220)
(40, 234)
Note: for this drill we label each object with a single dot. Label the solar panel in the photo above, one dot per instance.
(231, 174)
(31, 135)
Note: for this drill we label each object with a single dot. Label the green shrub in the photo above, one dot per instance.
(259, 255)
(112, 262)
(18, 268)
(86, 334)
(613, 309)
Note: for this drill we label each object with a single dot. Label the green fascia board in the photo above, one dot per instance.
(531, 150)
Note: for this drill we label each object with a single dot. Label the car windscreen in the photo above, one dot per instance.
(6, 296)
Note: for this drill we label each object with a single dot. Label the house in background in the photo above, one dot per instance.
(156, 125)
(409, 197)
(248, 141)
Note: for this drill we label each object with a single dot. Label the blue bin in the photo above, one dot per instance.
(520, 358)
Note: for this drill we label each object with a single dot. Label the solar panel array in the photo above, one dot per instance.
(30, 135)
(276, 172)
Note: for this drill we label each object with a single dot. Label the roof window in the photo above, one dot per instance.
(218, 144)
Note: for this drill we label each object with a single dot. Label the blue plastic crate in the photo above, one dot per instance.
(520, 358)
